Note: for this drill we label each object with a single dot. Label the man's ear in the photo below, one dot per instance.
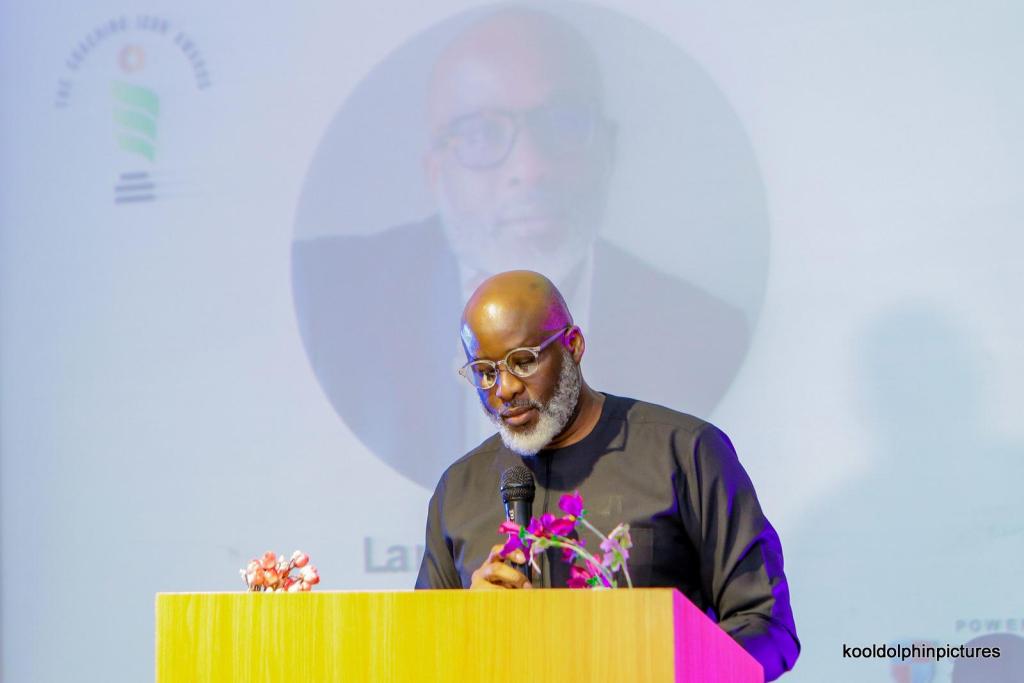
(431, 169)
(611, 147)
(577, 344)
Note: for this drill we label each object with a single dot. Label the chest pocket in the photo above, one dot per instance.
(641, 556)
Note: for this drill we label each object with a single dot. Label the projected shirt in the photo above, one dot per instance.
(694, 518)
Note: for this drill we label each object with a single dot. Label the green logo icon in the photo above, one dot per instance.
(135, 113)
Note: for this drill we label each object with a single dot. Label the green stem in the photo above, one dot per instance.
(608, 576)
(592, 528)
(625, 569)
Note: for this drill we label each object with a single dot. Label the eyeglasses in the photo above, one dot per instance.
(522, 362)
(485, 139)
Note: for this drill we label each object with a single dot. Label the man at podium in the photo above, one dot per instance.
(694, 517)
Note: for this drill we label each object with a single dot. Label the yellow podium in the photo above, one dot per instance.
(452, 636)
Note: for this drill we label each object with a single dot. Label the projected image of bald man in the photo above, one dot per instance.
(519, 159)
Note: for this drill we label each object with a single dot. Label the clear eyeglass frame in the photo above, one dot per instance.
(484, 139)
(489, 368)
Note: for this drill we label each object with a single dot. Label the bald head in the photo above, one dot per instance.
(511, 306)
(535, 396)
(516, 57)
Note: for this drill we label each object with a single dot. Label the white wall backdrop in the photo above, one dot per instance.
(161, 420)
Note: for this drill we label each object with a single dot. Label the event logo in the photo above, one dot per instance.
(128, 59)
(135, 115)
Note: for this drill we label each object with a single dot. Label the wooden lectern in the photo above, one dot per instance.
(452, 636)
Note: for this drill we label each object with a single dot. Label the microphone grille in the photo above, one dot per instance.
(517, 484)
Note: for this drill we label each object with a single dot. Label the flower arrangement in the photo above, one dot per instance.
(597, 570)
(274, 574)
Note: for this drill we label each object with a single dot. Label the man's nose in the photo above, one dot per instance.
(508, 386)
(528, 162)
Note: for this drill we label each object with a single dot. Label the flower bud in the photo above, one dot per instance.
(272, 577)
(310, 575)
(268, 560)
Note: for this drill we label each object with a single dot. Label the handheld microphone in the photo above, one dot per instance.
(517, 492)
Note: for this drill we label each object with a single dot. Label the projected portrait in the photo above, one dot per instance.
(592, 150)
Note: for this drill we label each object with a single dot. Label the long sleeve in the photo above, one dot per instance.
(437, 570)
(741, 566)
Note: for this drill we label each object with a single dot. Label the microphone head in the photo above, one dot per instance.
(517, 484)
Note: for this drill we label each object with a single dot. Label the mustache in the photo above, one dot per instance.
(534, 203)
(520, 403)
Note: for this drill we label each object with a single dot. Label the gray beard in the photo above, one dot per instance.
(554, 415)
(481, 248)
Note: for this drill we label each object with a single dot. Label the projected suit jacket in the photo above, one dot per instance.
(379, 317)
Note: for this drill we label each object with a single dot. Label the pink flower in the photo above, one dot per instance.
(612, 557)
(571, 504)
(589, 576)
(268, 560)
(616, 547)
(562, 526)
(569, 554)
(515, 538)
(579, 577)
(275, 574)
(272, 577)
(508, 527)
(249, 573)
(548, 525)
(513, 544)
(309, 575)
(259, 578)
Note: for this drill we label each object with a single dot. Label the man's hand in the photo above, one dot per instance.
(495, 574)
